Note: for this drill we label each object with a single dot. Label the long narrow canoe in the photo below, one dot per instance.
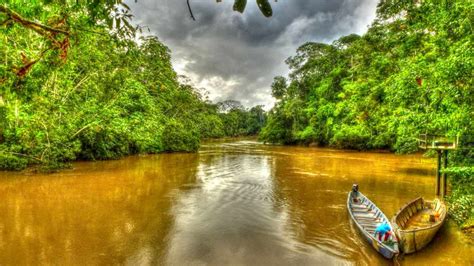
(367, 217)
(417, 222)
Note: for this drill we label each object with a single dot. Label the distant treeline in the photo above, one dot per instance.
(74, 84)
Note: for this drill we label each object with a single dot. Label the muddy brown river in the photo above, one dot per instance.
(236, 202)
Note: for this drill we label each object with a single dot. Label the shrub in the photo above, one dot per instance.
(461, 200)
(12, 162)
(176, 137)
(352, 137)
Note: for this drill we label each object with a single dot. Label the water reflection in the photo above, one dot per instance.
(233, 216)
(236, 202)
(98, 213)
(315, 183)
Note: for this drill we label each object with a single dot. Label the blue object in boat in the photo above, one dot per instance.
(382, 228)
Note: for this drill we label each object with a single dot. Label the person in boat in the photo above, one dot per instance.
(383, 232)
(355, 193)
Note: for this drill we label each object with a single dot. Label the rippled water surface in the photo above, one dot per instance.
(236, 202)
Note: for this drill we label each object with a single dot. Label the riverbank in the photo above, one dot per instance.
(460, 200)
(174, 139)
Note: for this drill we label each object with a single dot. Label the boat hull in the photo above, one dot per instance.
(363, 224)
(414, 239)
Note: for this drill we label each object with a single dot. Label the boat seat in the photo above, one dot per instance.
(364, 215)
(359, 206)
(363, 211)
(366, 220)
(370, 229)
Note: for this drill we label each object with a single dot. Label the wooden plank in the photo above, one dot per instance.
(360, 207)
(363, 211)
(371, 225)
(365, 215)
(360, 210)
(372, 229)
(371, 217)
(368, 222)
(368, 226)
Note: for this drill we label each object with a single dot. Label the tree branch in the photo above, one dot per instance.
(83, 128)
(23, 155)
(190, 10)
(38, 27)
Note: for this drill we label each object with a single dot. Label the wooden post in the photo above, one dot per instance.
(445, 176)
(438, 173)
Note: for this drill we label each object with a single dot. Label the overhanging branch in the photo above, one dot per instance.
(38, 27)
(190, 10)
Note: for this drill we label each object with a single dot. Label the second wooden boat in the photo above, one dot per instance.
(367, 217)
(417, 222)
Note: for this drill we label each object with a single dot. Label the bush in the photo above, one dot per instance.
(406, 144)
(461, 199)
(12, 162)
(461, 175)
(307, 135)
(178, 138)
(352, 137)
(276, 131)
(460, 206)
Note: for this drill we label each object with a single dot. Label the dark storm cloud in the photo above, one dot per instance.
(236, 56)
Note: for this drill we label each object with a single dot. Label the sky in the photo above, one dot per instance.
(232, 56)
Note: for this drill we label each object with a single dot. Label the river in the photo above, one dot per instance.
(235, 202)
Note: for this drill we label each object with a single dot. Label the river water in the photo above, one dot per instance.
(236, 202)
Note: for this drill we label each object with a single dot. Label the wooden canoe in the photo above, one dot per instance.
(417, 222)
(367, 217)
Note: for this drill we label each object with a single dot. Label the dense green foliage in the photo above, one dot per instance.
(461, 200)
(411, 73)
(238, 121)
(461, 197)
(93, 92)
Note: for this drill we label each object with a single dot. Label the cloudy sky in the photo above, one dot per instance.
(235, 56)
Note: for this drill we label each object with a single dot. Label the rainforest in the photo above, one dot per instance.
(84, 81)
(80, 86)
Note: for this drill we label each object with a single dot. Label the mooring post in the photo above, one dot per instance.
(438, 173)
(445, 176)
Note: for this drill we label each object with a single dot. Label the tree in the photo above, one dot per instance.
(382, 89)
(279, 87)
(229, 105)
(61, 28)
(108, 97)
